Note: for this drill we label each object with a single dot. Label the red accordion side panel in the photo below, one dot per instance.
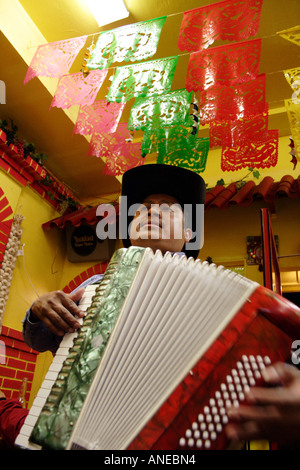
(250, 333)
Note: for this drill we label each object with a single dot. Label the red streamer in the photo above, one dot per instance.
(232, 64)
(252, 154)
(235, 133)
(233, 20)
(230, 103)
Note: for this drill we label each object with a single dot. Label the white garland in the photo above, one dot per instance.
(8, 262)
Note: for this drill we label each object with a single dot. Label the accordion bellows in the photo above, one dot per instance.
(157, 332)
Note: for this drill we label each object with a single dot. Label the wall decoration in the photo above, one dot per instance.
(75, 89)
(9, 261)
(133, 42)
(254, 154)
(54, 59)
(167, 109)
(146, 78)
(223, 65)
(233, 20)
(239, 132)
(194, 160)
(255, 250)
(101, 116)
(236, 102)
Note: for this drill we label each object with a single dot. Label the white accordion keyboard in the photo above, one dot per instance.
(55, 367)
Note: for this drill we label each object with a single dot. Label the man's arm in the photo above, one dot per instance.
(52, 315)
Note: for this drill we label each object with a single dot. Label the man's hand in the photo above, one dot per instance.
(58, 310)
(270, 413)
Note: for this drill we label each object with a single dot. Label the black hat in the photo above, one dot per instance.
(184, 185)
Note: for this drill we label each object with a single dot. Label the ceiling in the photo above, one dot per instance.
(52, 130)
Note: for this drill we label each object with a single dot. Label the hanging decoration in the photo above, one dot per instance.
(224, 65)
(75, 89)
(262, 154)
(101, 143)
(235, 102)
(132, 42)
(293, 78)
(54, 59)
(294, 160)
(9, 261)
(85, 70)
(100, 116)
(142, 79)
(164, 140)
(293, 112)
(291, 34)
(121, 159)
(239, 132)
(232, 20)
(116, 148)
(194, 159)
(167, 109)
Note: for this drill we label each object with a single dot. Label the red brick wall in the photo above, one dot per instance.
(17, 361)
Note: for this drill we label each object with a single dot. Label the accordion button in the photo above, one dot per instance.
(211, 427)
(199, 443)
(219, 427)
(191, 442)
(224, 419)
(202, 426)
(217, 418)
(182, 442)
(188, 433)
(267, 360)
(213, 436)
(200, 418)
(209, 418)
(207, 444)
(205, 435)
(218, 395)
(197, 434)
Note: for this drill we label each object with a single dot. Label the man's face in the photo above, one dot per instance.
(159, 224)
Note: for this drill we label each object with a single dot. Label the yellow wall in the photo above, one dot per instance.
(226, 231)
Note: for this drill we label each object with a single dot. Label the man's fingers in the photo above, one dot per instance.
(76, 296)
(68, 301)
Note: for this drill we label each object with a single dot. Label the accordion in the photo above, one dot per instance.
(167, 344)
